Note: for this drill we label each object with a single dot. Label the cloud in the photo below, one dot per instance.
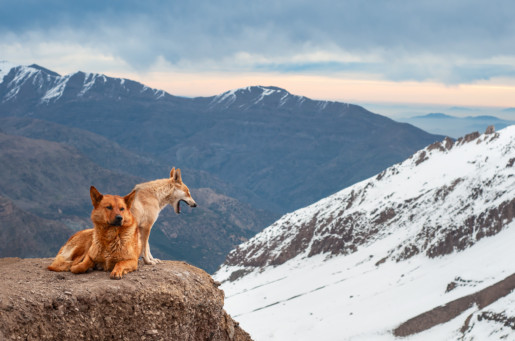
(449, 42)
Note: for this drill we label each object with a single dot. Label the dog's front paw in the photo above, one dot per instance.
(151, 261)
(116, 274)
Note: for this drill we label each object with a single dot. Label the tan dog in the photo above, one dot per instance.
(151, 198)
(113, 243)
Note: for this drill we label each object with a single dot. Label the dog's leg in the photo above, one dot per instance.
(83, 266)
(145, 250)
(151, 259)
(123, 267)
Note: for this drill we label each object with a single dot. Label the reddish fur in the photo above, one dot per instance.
(113, 248)
(73, 252)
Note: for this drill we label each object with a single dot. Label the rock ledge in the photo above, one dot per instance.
(168, 301)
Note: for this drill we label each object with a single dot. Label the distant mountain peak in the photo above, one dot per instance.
(255, 96)
(43, 85)
(50, 72)
(435, 115)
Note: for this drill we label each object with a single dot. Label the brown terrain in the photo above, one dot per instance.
(449, 311)
(168, 301)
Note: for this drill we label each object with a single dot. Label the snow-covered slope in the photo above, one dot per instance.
(266, 97)
(35, 83)
(360, 264)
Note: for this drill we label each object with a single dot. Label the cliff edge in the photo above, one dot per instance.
(167, 301)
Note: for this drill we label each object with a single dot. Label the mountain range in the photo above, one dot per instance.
(422, 250)
(454, 126)
(249, 154)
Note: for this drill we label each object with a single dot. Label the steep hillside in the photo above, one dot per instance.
(109, 154)
(259, 139)
(46, 184)
(431, 236)
(23, 233)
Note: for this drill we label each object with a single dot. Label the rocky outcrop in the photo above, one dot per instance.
(168, 301)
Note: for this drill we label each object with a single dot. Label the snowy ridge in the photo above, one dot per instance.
(456, 183)
(364, 261)
(49, 86)
(252, 96)
(22, 75)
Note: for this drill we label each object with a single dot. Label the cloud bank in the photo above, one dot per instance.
(449, 42)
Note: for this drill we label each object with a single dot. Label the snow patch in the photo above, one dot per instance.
(89, 81)
(57, 91)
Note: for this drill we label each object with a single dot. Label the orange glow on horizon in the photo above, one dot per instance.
(486, 94)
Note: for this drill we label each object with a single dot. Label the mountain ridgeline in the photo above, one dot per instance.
(249, 154)
(263, 139)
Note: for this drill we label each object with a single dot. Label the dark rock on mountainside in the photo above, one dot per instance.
(169, 301)
(449, 311)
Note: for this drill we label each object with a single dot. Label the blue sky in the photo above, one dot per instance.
(452, 50)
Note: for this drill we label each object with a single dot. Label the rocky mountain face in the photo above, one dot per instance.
(466, 186)
(169, 301)
(423, 247)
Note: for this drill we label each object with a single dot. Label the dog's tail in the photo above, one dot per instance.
(60, 265)
(73, 252)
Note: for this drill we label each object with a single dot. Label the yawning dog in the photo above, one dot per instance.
(151, 198)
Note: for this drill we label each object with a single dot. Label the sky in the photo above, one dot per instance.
(427, 53)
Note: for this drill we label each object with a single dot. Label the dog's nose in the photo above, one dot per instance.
(193, 205)
(118, 219)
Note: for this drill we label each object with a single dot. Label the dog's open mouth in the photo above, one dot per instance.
(179, 205)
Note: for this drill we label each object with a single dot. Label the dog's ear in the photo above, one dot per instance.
(95, 195)
(178, 177)
(129, 199)
(172, 173)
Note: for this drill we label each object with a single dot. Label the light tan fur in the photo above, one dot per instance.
(73, 251)
(151, 198)
(113, 244)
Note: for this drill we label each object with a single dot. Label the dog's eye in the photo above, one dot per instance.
(122, 208)
(109, 207)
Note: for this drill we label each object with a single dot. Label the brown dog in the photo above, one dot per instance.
(151, 198)
(113, 243)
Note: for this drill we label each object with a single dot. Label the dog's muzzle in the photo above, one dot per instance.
(117, 221)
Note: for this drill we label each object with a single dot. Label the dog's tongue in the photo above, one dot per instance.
(179, 206)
